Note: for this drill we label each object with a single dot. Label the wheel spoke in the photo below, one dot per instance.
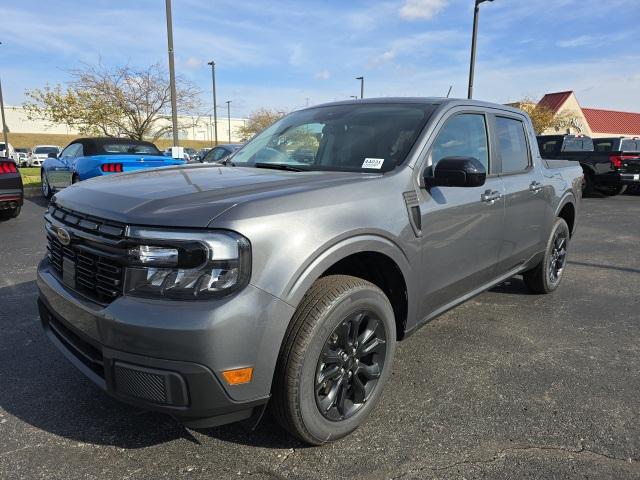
(330, 356)
(330, 374)
(341, 397)
(330, 399)
(359, 392)
(369, 332)
(343, 335)
(371, 372)
(355, 327)
(374, 345)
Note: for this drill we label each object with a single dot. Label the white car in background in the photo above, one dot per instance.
(41, 152)
(8, 154)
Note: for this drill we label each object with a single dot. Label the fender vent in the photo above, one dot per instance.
(413, 209)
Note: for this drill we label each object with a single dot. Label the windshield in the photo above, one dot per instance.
(46, 150)
(351, 137)
(131, 148)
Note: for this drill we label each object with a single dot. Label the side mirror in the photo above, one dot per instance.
(457, 172)
(52, 155)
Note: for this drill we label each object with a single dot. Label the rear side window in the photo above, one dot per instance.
(603, 145)
(512, 145)
(630, 146)
(577, 144)
(548, 146)
(464, 135)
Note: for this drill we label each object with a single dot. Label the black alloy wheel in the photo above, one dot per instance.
(558, 256)
(350, 365)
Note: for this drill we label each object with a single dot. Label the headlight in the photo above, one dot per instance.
(189, 264)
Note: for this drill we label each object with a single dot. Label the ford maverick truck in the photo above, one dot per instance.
(286, 277)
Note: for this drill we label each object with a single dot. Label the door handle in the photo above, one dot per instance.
(535, 187)
(490, 196)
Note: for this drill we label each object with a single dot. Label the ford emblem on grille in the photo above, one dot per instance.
(63, 236)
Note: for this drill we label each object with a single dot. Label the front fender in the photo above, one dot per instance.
(322, 260)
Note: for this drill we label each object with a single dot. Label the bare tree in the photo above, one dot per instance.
(543, 118)
(258, 121)
(116, 101)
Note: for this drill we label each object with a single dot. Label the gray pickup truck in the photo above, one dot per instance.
(287, 276)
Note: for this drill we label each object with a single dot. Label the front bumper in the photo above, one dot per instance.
(168, 355)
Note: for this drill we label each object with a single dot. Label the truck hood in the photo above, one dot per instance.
(190, 195)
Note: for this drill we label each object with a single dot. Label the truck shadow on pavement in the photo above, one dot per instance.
(41, 388)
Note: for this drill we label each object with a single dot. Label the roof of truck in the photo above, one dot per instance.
(421, 100)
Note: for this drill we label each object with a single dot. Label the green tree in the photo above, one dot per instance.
(117, 101)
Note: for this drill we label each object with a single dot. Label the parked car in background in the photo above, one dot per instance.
(7, 152)
(220, 153)
(608, 171)
(169, 153)
(206, 291)
(11, 189)
(23, 156)
(201, 153)
(191, 152)
(94, 157)
(41, 152)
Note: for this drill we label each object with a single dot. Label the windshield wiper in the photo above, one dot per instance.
(280, 166)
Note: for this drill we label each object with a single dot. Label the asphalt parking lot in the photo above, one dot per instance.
(509, 385)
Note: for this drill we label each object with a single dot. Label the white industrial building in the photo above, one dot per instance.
(199, 127)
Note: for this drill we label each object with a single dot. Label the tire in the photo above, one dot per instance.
(546, 276)
(44, 185)
(587, 184)
(75, 178)
(612, 191)
(322, 325)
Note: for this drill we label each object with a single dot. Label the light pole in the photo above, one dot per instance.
(361, 86)
(215, 108)
(4, 124)
(172, 74)
(476, 12)
(228, 102)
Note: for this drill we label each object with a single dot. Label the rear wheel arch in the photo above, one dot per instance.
(568, 213)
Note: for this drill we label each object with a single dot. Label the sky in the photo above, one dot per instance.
(285, 54)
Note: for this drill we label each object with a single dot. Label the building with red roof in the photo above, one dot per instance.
(593, 122)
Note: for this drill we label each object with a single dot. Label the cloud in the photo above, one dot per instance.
(323, 75)
(421, 9)
(580, 41)
(193, 62)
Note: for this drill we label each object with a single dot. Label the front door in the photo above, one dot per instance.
(462, 227)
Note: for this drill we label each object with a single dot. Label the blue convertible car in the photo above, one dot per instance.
(92, 157)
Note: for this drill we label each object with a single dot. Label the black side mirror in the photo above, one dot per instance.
(52, 155)
(457, 172)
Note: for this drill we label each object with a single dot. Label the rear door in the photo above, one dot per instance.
(462, 227)
(526, 200)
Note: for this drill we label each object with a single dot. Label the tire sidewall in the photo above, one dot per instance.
(363, 298)
(560, 224)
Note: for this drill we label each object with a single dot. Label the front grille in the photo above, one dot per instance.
(92, 264)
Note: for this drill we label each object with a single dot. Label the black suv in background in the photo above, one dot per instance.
(609, 164)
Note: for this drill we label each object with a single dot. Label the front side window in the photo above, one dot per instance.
(464, 135)
(72, 151)
(512, 145)
(350, 137)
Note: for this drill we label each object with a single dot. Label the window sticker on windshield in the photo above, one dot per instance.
(375, 163)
